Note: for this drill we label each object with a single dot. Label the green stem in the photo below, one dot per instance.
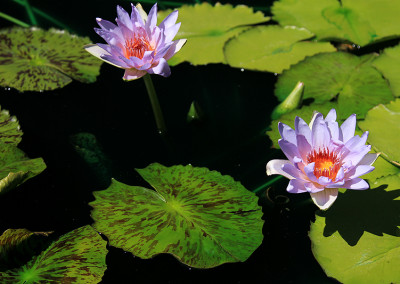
(30, 13)
(267, 184)
(158, 116)
(14, 20)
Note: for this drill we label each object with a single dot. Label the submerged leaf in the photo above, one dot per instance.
(201, 217)
(10, 132)
(76, 257)
(32, 59)
(208, 27)
(383, 124)
(350, 80)
(271, 48)
(361, 244)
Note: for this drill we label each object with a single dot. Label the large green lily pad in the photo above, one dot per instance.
(16, 167)
(388, 63)
(17, 245)
(207, 28)
(32, 59)
(383, 124)
(10, 131)
(350, 80)
(358, 240)
(358, 21)
(76, 257)
(200, 216)
(272, 48)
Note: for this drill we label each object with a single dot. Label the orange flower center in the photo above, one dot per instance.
(327, 163)
(136, 47)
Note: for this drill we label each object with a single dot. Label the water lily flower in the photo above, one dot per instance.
(323, 157)
(136, 43)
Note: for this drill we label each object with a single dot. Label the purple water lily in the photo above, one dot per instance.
(323, 157)
(137, 44)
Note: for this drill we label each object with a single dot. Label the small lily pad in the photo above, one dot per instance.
(383, 124)
(388, 63)
(272, 48)
(348, 79)
(32, 59)
(18, 245)
(207, 28)
(200, 216)
(76, 257)
(16, 167)
(10, 131)
(358, 240)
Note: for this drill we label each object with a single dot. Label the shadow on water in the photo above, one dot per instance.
(375, 211)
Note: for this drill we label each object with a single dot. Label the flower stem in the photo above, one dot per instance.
(267, 184)
(14, 20)
(158, 116)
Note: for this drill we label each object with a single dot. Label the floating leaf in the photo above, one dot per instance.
(357, 239)
(351, 80)
(359, 21)
(208, 27)
(382, 168)
(383, 124)
(10, 131)
(271, 48)
(388, 63)
(201, 217)
(32, 59)
(76, 257)
(16, 167)
(17, 245)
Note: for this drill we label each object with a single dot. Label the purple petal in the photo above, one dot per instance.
(161, 69)
(322, 180)
(303, 147)
(314, 117)
(296, 186)
(289, 149)
(355, 157)
(356, 183)
(124, 18)
(320, 134)
(293, 171)
(324, 199)
(171, 32)
(302, 128)
(331, 116)
(359, 171)
(169, 21)
(339, 175)
(369, 159)
(312, 188)
(151, 19)
(104, 24)
(274, 167)
(309, 171)
(114, 61)
(333, 128)
(175, 47)
(133, 74)
(354, 143)
(111, 38)
(348, 128)
(136, 17)
(287, 133)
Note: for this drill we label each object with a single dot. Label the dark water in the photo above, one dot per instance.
(230, 139)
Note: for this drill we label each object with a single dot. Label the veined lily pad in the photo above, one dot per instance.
(358, 240)
(32, 59)
(359, 21)
(16, 168)
(76, 257)
(201, 217)
(10, 132)
(207, 28)
(17, 245)
(383, 124)
(352, 81)
(388, 63)
(271, 48)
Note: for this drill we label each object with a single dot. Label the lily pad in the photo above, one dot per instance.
(10, 132)
(383, 124)
(201, 217)
(76, 257)
(272, 48)
(350, 80)
(32, 59)
(358, 21)
(358, 240)
(207, 28)
(18, 245)
(16, 167)
(388, 63)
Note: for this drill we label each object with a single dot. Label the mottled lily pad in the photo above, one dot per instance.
(32, 59)
(207, 28)
(272, 48)
(16, 167)
(348, 79)
(76, 257)
(10, 132)
(383, 124)
(18, 245)
(201, 217)
(388, 63)
(358, 21)
(358, 240)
